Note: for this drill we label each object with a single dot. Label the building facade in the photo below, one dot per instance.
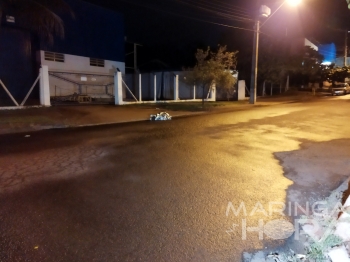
(93, 45)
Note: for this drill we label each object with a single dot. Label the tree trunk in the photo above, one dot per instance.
(271, 88)
(162, 97)
(264, 91)
(287, 83)
(280, 86)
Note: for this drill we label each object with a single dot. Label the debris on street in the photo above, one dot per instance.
(160, 116)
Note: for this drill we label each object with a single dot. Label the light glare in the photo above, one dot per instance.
(294, 2)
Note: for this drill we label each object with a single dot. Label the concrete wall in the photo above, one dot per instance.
(80, 64)
(80, 77)
(339, 61)
(307, 42)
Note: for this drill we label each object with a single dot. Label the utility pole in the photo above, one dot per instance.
(136, 75)
(135, 56)
(264, 11)
(253, 80)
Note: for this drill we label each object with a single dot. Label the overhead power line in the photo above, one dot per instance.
(218, 7)
(218, 13)
(227, 6)
(145, 5)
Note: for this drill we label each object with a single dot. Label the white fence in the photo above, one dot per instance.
(158, 87)
(130, 89)
(42, 77)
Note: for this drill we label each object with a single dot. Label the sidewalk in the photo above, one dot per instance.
(32, 119)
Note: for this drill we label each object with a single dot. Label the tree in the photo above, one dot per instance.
(212, 68)
(335, 74)
(311, 65)
(40, 16)
(277, 61)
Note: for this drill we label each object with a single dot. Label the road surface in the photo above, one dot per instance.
(168, 191)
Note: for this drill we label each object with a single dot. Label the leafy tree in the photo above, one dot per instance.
(311, 64)
(276, 61)
(40, 16)
(336, 74)
(212, 68)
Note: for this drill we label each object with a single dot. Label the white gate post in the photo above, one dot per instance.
(213, 92)
(176, 87)
(140, 88)
(264, 90)
(194, 92)
(44, 86)
(155, 87)
(241, 89)
(118, 89)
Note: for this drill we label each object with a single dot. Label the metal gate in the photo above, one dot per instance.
(81, 88)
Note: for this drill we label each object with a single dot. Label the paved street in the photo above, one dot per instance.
(159, 191)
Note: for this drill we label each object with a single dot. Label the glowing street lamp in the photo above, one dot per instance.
(294, 2)
(264, 12)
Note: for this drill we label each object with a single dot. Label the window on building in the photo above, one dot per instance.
(50, 56)
(97, 62)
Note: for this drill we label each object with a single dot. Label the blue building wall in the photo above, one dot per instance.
(328, 51)
(94, 32)
(18, 68)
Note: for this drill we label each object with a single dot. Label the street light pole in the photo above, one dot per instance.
(264, 11)
(254, 74)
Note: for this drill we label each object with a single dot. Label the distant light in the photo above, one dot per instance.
(10, 19)
(294, 2)
(326, 63)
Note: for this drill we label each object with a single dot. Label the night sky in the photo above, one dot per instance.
(171, 30)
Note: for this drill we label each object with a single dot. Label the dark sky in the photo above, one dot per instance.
(175, 28)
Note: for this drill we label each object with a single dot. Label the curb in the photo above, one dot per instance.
(40, 127)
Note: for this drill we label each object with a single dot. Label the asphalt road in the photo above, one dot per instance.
(159, 191)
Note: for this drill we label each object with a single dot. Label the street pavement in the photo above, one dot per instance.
(160, 191)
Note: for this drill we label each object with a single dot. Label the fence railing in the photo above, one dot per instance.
(27, 95)
(157, 87)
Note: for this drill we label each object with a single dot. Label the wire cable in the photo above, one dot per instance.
(224, 15)
(219, 7)
(188, 17)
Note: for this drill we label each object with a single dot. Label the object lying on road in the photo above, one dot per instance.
(283, 257)
(160, 116)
